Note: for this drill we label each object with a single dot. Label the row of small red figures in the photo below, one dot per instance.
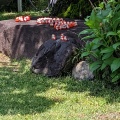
(62, 37)
(57, 23)
(22, 19)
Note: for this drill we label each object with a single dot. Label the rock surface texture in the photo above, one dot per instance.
(52, 58)
(23, 39)
(33, 41)
(81, 71)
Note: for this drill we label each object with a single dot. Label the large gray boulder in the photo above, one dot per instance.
(22, 39)
(53, 58)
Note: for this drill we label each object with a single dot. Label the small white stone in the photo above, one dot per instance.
(81, 71)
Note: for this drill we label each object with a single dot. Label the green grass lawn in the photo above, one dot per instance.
(27, 96)
(12, 15)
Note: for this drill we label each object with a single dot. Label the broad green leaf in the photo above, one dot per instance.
(97, 40)
(111, 33)
(107, 50)
(105, 21)
(93, 15)
(88, 37)
(109, 61)
(113, 74)
(94, 66)
(87, 19)
(116, 78)
(107, 55)
(116, 45)
(117, 8)
(87, 31)
(101, 5)
(85, 54)
(118, 32)
(95, 46)
(90, 23)
(103, 66)
(115, 64)
(88, 46)
(103, 13)
(116, 20)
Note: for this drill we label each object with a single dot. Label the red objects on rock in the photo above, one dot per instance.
(22, 19)
(53, 37)
(63, 37)
(57, 23)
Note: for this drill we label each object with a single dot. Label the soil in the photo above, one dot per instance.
(4, 60)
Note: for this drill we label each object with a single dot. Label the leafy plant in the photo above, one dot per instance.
(27, 5)
(72, 11)
(103, 51)
(72, 8)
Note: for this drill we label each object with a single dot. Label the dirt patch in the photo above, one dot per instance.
(4, 60)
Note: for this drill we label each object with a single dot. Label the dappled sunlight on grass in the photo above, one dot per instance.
(27, 96)
(24, 95)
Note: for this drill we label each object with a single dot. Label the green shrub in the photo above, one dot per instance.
(104, 50)
(72, 11)
(73, 8)
(60, 7)
(26, 5)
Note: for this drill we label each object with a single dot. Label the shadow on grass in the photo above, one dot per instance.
(23, 93)
(97, 89)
